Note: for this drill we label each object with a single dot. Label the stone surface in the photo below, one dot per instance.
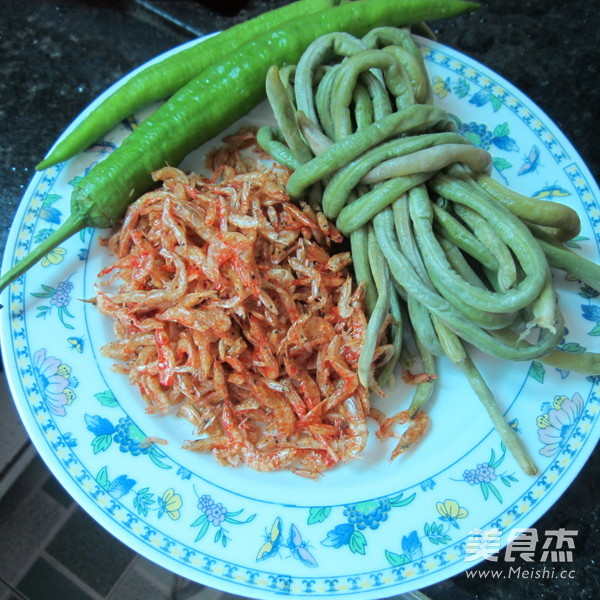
(57, 56)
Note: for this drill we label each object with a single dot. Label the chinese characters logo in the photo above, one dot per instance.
(556, 545)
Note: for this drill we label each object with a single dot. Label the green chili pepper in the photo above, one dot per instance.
(162, 79)
(215, 99)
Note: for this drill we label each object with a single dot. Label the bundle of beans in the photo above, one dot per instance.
(449, 253)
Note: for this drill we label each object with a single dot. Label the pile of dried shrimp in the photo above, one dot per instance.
(231, 308)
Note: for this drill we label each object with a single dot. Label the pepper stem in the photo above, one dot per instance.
(73, 224)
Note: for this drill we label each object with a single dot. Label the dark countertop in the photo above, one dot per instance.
(57, 56)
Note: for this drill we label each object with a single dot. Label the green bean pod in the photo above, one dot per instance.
(565, 259)
(362, 267)
(449, 228)
(493, 343)
(418, 118)
(381, 37)
(271, 140)
(510, 229)
(336, 43)
(367, 167)
(380, 312)
(396, 334)
(424, 389)
(285, 115)
(507, 269)
(422, 324)
(564, 219)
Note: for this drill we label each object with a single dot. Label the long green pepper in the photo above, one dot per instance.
(215, 99)
(163, 78)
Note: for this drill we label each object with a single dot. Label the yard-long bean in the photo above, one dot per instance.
(433, 237)
(381, 309)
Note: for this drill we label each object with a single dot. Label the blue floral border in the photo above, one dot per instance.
(486, 82)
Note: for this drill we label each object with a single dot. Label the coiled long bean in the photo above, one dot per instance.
(434, 239)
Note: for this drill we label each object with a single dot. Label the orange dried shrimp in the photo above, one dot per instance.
(231, 308)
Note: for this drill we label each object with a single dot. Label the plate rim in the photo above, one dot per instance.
(176, 566)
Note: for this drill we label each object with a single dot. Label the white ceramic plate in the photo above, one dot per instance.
(370, 529)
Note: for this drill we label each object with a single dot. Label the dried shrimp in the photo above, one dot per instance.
(230, 308)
